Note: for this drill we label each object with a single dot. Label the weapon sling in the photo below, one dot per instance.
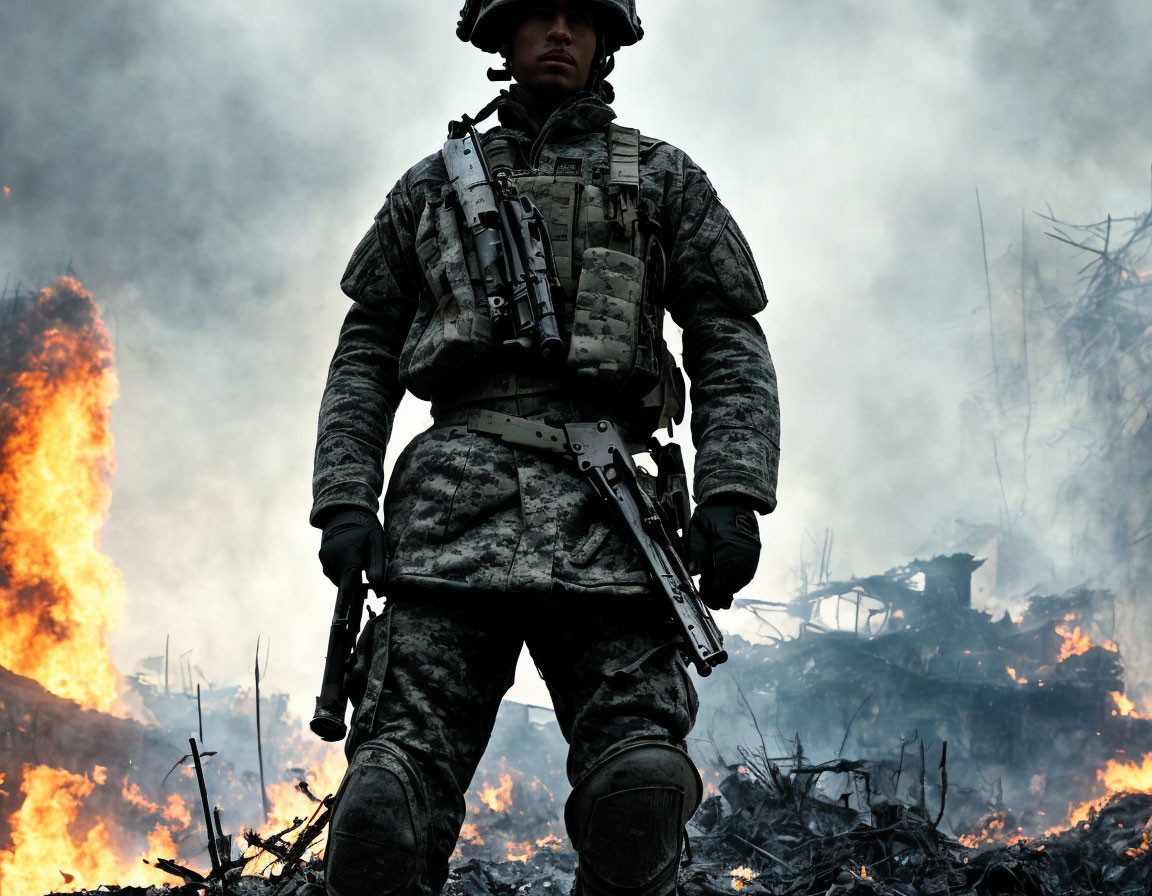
(604, 460)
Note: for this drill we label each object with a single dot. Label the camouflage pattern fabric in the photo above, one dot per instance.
(462, 513)
(603, 340)
(438, 667)
(487, 544)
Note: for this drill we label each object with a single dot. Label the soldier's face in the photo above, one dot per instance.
(554, 46)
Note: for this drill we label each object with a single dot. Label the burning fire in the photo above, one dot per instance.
(511, 820)
(1125, 707)
(742, 876)
(1118, 777)
(1077, 642)
(289, 802)
(45, 844)
(522, 852)
(991, 831)
(60, 596)
(497, 798)
(1012, 674)
(471, 834)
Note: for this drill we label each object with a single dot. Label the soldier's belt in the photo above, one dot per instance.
(605, 460)
(501, 385)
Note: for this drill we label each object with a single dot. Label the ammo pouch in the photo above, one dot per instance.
(612, 311)
(606, 323)
(452, 327)
(616, 341)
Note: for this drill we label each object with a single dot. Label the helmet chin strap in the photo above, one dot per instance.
(602, 66)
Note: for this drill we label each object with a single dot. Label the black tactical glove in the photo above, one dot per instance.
(353, 539)
(724, 544)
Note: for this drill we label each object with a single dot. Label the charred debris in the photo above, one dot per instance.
(942, 744)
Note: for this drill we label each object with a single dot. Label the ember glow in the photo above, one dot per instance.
(991, 831)
(741, 876)
(1136, 851)
(60, 596)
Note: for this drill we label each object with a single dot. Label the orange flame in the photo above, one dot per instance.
(1124, 706)
(742, 876)
(287, 803)
(497, 798)
(61, 595)
(471, 834)
(43, 847)
(991, 831)
(1012, 674)
(1077, 642)
(1118, 777)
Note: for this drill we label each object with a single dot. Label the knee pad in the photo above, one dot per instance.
(626, 819)
(376, 837)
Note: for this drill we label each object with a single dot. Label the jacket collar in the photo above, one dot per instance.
(582, 113)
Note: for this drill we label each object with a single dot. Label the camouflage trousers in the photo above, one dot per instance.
(437, 668)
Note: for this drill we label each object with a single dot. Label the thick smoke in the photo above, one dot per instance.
(206, 168)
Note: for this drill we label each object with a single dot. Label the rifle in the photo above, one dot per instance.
(511, 241)
(328, 720)
(604, 460)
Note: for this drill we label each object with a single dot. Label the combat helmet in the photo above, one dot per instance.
(483, 22)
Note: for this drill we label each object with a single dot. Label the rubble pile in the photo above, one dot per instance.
(779, 835)
(769, 831)
(919, 687)
(1031, 706)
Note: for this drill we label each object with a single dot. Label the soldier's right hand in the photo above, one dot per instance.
(353, 539)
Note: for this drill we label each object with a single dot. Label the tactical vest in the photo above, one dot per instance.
(610, 264)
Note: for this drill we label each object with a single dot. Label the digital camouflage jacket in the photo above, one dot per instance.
(466, 512)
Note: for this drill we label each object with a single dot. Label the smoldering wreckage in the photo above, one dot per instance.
(899, 741)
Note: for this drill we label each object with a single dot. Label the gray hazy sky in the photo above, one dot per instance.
(206, 167)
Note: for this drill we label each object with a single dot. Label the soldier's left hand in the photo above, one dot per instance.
(724, 543)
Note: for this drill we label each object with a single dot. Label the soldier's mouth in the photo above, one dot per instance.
(558, 57)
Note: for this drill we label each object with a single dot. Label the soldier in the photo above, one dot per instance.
(487, 546)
